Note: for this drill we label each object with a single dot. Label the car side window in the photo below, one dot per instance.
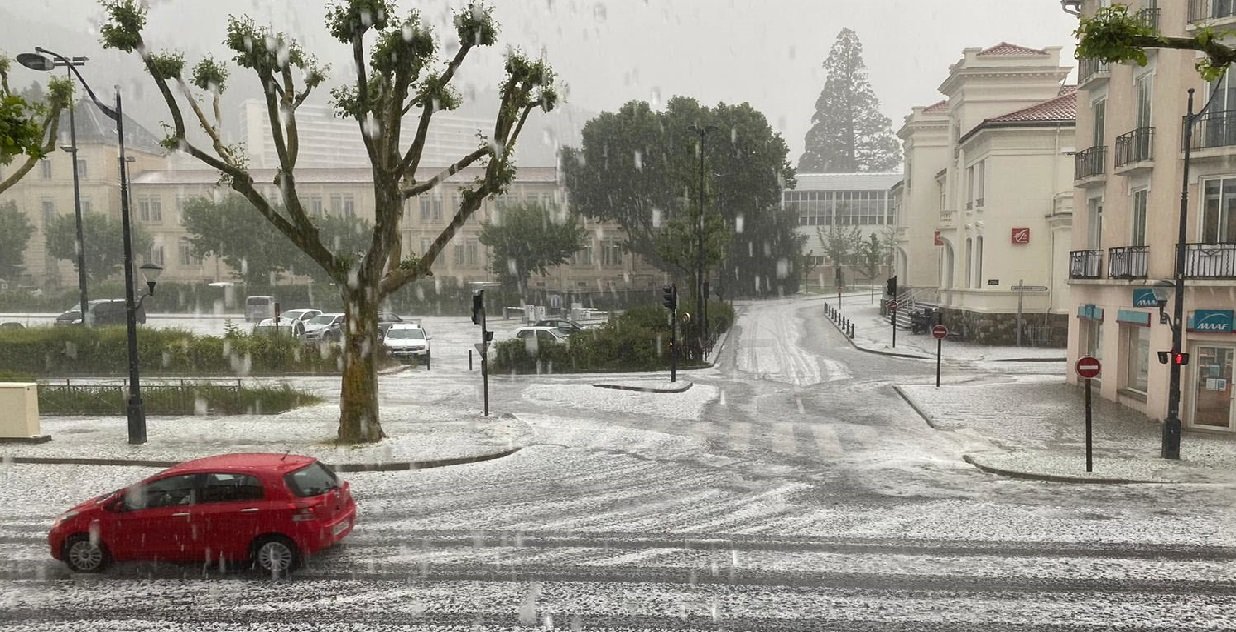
(223, 488)
(166, 492)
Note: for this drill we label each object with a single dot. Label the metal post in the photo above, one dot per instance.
(894, 312)
(1170, 447)
(484, 360)
(136, 412)
(1089, 446)
(699, 270)
(674, 335)
(939, 346)
(1020, 292)
(469, 359)
(77, 205)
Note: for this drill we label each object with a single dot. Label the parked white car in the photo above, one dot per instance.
(408, 343)
(324, 327)
(293, 319)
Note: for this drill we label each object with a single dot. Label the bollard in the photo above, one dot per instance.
(469, 359)
(851, 331)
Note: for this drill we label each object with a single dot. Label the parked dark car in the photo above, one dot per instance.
(103, 312)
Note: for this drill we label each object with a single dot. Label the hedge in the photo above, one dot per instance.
(176, 399)
(638, 340)
(60, 351)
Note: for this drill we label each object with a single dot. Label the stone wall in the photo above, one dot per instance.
(1001, 329)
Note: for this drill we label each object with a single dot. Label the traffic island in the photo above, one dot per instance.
(647, 386)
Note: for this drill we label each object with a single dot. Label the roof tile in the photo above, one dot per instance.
(1061, 108)
(1005, 49)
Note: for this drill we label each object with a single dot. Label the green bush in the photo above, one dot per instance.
(181, 399)
(58, 351)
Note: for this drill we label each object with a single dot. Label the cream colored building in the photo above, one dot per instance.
(989, 180)
(844, 201)
(1129, 170)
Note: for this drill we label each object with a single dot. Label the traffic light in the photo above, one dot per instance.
(669, 297)
(1180, 358)
(489, 336)
(1177, 357)
(890, 286)
(478, 304)
(1163, 356)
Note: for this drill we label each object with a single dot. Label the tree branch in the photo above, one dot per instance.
(51, 127)
(362, 94)
(412, 158)
(455, 168)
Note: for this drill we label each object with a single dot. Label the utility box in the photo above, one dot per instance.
(19, 411)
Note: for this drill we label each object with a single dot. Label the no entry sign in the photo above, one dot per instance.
(939, 331)
(1088, 367)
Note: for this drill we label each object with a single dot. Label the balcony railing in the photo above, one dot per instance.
(1214, 129)
(1150, 17)
(1128, 262)
(1086, 264)
(1210, 261)
(1089, 162)
(1211, 9)
(1134, 146)
(1090, 68)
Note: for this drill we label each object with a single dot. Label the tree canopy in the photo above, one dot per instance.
(528, 238)
(105, 236)
(848, 133)
(1114, 35)
(28, 128)
(15, 233)
(399, 66)
(640, 168)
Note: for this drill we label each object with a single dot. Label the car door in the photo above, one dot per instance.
(156, 521)
(230, 512)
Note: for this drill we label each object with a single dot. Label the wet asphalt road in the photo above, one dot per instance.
(806, 496)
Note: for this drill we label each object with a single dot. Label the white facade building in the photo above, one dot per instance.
(827, 201)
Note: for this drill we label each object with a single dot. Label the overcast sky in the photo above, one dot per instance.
(766, 52)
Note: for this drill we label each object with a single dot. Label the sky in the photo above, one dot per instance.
(608, 52)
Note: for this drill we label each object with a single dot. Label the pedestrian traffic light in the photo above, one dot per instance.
(489, 336)
(1180, 358)
(1164, 356)
(478, 305)
(1175, 357)
(890, 286)
(669, 297)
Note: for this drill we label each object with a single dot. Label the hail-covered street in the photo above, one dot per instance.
(791, 488)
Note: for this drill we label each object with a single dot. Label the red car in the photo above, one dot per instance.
(268, 509)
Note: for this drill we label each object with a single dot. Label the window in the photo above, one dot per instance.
(980, 186)
(1145, 95)
(336, 204)
(349, 208)
(226, 488)
(49, 212)
(1092, 334)
(81, 169)
(969, 262)
(471, 253)
(156, 255)
(1099, 112)
(1137, 346)
(312, 480)
(315, 206)
(150, 209)
(583, 257)
(1138, 238)
(978, 262)
(611, 254)
(970, 184)
(1094, 223)
(437, 209)
(1219, 211)
(187, 259)
(167, 492)
(45, 171)
(426, 208)
(1218, 128)
(424, 247)
(459, 255)
(86, 207)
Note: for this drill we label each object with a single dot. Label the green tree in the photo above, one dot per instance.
(225, 229)
(1114, 35)
(639, 168)
(104, 235)
(28, 127)
(528, 238)
(848, 133)
(871, 255)
(841, 244)
(15, 233)
(400, 66)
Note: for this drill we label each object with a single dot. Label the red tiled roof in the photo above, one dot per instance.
(1067, 88)
(1061, 108)
(1005, 49)
(936, 107)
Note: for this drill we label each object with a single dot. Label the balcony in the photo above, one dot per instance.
(1214, 129)
(1089, 70)
(1200, 10)
(1150, 16)
(1089, 163)
(1134, 150)
(1210, 261)
(1127, 262)
(1086, 264)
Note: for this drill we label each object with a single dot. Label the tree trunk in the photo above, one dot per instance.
(358, 403)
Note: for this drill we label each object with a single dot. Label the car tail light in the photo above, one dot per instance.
(304, 514)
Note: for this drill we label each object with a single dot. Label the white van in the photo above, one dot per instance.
(258, 308)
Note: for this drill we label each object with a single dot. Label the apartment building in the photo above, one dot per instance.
(987, 200)
(840, 201)
(1128, 173)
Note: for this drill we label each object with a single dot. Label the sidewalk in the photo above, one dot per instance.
(873, 333)
(1035, 428)
(417, 437)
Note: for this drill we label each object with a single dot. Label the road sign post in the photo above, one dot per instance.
(938, 332)
(1088, 368)
(1021, 288)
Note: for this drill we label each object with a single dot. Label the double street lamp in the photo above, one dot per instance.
(701, 279)
(45, 60)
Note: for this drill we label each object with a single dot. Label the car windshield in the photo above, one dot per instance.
(322, 319)
(405, 334)
(312, 480)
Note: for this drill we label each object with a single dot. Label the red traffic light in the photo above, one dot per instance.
(1180, 358)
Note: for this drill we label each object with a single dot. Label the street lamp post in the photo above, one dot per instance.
(135, 410)
(69, 64)
(701, 285)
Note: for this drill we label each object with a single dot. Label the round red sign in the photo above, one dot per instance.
(939, 331)
(1088, 367)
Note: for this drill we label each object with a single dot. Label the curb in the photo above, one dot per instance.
(342, 467)
(1032, 360)
(892, 354)
(913, 405)
(646, 389)
(1058, 478)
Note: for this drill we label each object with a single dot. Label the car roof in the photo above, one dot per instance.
(406, 326)
(245, 461)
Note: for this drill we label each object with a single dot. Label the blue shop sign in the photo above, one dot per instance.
(1144, 297)
(1215, 321)
(1133, 317)
(1090, 312)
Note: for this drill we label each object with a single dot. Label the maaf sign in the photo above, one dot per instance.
(1211, 321)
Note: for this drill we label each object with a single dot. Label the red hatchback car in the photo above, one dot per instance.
(269, 509)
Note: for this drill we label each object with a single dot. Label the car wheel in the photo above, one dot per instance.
(275, 555)
(83, 556)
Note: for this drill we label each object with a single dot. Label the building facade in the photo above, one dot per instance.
(1128, 175)
(989, 188)
(827, 202)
